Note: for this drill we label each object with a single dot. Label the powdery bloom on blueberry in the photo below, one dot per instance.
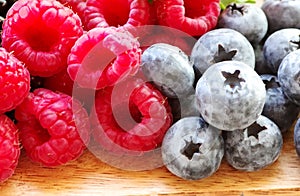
(230, 95)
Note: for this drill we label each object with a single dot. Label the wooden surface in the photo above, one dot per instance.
(89, 176)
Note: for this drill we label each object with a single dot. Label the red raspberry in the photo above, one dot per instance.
(191, 16)
(60, 82)
(78, 7)
(103, 56)
(41, 33)
(14, 81)
(162, 34)
(133, 115)
(118, 13)
(54, 129)
(9, 147)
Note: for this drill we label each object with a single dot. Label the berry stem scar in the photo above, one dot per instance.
(233, 80)
(222, 55)
(191, 148)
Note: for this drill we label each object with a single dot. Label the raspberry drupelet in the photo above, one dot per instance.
(9, 147)
(54, 128)
(78, 7)
(118, 13)
(41, 33)
(132, 116)
(102, 57)
(194, 17)
(14, 81)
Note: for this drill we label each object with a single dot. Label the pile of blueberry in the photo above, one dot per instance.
(247, 90)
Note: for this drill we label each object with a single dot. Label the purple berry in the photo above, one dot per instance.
(282, 14)
(261, 66)
(278, 108)
(248, 19)
(278, 45)
(255, 147)
(289, 76)
(297, 137)
(230, 95)
(169, 68)
(192, 149)
(184, 107)
(220, 45)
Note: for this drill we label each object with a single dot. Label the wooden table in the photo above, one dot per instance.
(89, 176)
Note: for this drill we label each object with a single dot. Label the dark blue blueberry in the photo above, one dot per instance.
(282, 14)
(169, 68)
(247, 19)
(230, 95)
(184, 107)
(289, 76)
(255, 147)
(297, 137)
(278, 45)
(278, 107)
(261, 66)
(220, 45)
(192, 149)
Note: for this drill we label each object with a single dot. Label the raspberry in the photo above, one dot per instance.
(9, 147)
(14, 82)
(161, 34)
(53, 129)
(78, 7)
(190, 16)
(60, 82)
(140, 129)
(118, 13)
(102, 57)
(41, 34)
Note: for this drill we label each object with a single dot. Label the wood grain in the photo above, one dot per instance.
(89, 176)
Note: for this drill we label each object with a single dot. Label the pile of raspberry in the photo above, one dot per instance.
(67, 66)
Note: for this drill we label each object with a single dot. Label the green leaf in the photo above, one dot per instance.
(224, 3)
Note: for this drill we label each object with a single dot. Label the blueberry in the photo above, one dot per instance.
(289, 76)
(255, 147)
(184, 107)
(282, 14)
(230, 95)
(278, 107)
(261, 66)
(297, 137)
(169, 68)
(192, 149)
(278, 45)
(221, 45)
(248, 19)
